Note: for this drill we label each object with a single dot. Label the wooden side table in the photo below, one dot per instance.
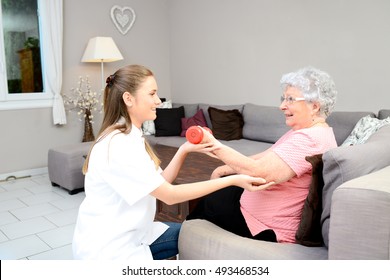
(197, 167)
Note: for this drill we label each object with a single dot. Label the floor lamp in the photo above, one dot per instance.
(101, 49)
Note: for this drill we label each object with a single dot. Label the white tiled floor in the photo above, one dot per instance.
(36, 220)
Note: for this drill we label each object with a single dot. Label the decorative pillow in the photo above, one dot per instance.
(309, 229)
(168, 121)
(197, 119)
(205, 108)
(226, 125)
(364, 128)
(343, 123)
(148, 127)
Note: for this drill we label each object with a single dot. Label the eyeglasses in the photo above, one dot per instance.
(290, 99)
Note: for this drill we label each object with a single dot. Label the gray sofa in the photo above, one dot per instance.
(355, 216)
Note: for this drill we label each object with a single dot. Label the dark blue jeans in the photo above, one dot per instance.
(166, 246)
(222, 208)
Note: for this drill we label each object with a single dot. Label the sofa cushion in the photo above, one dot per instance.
(365, 127)
(383, 114)
(263, 123)
(360, 224)
(345, 163)
(202, 240)
(168, 121)
(205, 108)
(309, 229)
(197, 119)
(344, 122)
(189, 109)
(226, 124)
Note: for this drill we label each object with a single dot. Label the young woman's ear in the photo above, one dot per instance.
(128, 99)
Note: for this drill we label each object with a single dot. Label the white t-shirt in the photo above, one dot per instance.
(116, 218)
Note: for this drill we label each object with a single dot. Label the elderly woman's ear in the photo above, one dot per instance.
(316, 107)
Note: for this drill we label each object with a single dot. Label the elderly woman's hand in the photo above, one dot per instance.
(208, 138)
(221, 171)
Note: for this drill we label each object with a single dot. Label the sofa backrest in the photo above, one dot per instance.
(263, 123)
(348, 162)
(189, 109)
(267, 123)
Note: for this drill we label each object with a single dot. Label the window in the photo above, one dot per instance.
(21, 46)
(30, 53)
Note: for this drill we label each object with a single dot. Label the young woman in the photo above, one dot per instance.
(123, 178)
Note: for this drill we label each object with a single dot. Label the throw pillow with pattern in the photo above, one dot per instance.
(364, 128)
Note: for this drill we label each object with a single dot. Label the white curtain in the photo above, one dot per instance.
(51, 13)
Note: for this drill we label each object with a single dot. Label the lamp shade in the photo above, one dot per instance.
(101, 49)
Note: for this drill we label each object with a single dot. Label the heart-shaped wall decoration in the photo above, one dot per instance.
(123, 18)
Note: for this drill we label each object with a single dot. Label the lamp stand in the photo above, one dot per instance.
(101, 66)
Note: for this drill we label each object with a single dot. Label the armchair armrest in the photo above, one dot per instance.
(360, 218)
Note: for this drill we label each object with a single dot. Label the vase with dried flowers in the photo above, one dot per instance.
(85, 102)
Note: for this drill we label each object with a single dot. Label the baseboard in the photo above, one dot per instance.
(24, 173)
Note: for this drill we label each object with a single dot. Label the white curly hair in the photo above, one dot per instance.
(315, 85)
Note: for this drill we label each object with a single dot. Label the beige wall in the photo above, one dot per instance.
(230, 51)
(215, 51)
(26, 135)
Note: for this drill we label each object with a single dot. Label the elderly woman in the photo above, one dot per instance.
(274, 214)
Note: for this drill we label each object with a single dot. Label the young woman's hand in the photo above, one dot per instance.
(188, 147)
(250, 183)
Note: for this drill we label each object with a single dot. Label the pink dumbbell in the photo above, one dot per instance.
(194, 134)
